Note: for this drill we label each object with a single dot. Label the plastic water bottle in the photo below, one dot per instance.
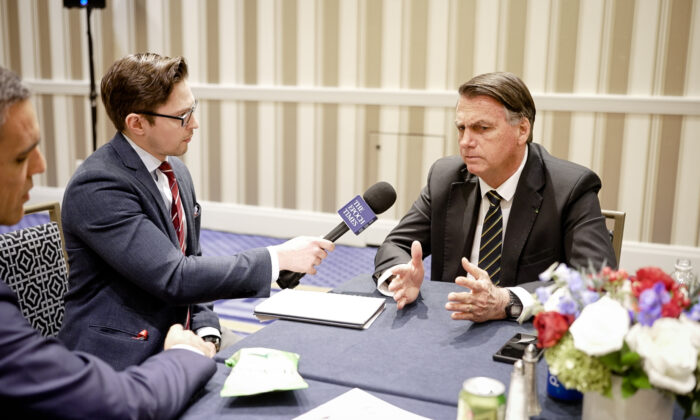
(683, 274)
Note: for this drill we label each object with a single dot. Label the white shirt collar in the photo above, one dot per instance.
(151, 162)
(507, 189)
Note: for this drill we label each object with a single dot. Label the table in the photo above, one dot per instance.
(416, 359)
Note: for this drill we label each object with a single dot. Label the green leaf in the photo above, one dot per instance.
(627, 389)
(612, 361)
(639, 379)
(630, 358)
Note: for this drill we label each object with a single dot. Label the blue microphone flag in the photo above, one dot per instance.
(357, 215)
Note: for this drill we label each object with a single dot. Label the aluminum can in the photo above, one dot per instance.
(482, 398)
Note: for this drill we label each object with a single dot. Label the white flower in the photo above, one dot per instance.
(693, 329)
(601, 327)
(669, 354)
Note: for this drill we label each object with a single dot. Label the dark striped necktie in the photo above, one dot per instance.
(177, 215)
(492, 238)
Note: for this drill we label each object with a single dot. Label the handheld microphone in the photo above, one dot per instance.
(379, 197)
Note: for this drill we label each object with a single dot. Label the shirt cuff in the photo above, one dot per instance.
(187, 347)
(205, 331)
(525, 298)
(383, 284)
(275, 263)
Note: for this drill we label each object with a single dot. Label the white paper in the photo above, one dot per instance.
(326, 308)
(358, 404)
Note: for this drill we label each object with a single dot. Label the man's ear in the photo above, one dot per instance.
(523, 130)
(135, 123)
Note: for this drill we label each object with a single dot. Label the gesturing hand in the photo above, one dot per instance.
(302, 254)
(408, 277)
(484, 301)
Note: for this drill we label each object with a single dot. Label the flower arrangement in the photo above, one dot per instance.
(643, 328)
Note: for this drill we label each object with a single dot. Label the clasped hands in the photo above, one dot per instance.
(484, 301)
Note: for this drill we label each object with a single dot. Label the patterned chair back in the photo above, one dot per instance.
(32, 263)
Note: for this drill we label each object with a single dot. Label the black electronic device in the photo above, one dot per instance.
(514, 348)
(94, 4)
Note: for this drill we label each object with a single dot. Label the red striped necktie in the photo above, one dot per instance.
(177, 214)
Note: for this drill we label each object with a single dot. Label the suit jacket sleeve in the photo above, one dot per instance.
(414, 226)
(586, 239)
(113, 221)
(39, 377)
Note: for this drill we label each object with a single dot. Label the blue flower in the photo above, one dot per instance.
(575, 282)
(694, 312)
(567, 306)
(589, 296)
(650, 302)
(543, 294)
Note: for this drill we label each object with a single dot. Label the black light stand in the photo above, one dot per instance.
(89, 5)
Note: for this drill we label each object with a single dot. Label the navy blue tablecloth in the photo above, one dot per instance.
(416, 359)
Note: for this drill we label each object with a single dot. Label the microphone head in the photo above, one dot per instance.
(380, 197)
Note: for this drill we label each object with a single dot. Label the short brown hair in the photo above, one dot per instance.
(140, 82)
(507, 89)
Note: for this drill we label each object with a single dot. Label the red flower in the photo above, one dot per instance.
(647, 277)
(551, 327)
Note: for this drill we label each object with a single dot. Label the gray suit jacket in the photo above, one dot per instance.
(555, 217)
(127, 273)
(40, 378)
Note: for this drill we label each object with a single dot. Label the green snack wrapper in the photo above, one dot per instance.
(258, 369)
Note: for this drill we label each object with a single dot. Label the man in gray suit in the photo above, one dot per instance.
(39, 377)
(505, 202)
(131, 222)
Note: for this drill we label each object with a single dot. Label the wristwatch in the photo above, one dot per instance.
(213, 339)
(514, 307)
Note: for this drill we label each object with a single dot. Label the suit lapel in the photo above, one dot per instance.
(460, 223)
(526, 207)
(131, 160)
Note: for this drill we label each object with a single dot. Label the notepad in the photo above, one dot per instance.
(322, 308)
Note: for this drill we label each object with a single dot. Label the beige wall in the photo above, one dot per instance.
(304, 103)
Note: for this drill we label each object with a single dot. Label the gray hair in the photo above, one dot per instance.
(507, 89)
(12, 90)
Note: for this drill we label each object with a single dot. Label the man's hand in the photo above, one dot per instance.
(303, 254)
(178, 335)
(483, 302)
(408, 277)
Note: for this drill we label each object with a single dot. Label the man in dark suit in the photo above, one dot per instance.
(131, 223)
(504, 202)
(39, 377)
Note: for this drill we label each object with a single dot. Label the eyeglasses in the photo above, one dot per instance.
(184, 118)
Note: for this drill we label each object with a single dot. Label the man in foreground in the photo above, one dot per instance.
(498, 215)
(39, 377)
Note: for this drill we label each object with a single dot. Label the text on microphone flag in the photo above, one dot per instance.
(357, 215)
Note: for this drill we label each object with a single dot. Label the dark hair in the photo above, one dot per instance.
(140, 82)
(507, 89)
(12, 90)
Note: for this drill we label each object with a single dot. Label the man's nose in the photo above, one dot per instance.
(194, 122)
(37, 163)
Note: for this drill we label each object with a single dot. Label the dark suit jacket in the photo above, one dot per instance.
(40, 378)
(555, 217)
(127, 273)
